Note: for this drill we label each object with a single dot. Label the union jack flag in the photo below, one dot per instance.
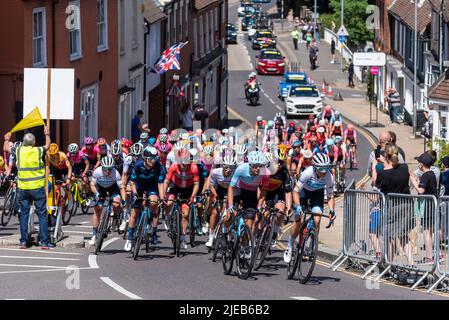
(169, 59)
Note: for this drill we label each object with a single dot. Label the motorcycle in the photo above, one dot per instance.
(252, 94)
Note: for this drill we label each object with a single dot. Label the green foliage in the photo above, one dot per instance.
(370, 87)
(354, 20)
(442, 149)
(326, 20)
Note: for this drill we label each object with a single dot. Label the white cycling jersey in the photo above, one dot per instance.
(310, 181)
(104, 181)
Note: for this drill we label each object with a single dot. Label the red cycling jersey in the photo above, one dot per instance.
(183, 179)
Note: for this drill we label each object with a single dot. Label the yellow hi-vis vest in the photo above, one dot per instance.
(30, 168)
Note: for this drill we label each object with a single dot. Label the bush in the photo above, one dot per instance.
(442, 149)
(326, 21)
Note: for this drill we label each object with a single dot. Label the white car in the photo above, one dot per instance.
(251, 32)
(303, 100)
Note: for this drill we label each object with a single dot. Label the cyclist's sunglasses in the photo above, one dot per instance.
(256, 165)
(323, 170)
(228, 167)
(89, 145)
(106, 170)
(150, 158)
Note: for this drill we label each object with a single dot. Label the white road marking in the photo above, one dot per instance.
(85, 227)
(357, 95)
(77, 232)
(93, 261)
(37, 271)
(109, 242)
(271, 100)
(86, 222)
(279, 108)
(41, 251)
(14, 299)
(303, 298)
(41, 258)
(120, 289)
(30, 266)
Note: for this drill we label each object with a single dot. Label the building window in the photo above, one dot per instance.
(207, 33)
(223, 11)
(186, 29)
(102, 25)
(39, 38)
(75, 37)
(135, 43)
(201, 37)
(195, 39)
(89, 112)
(122, 27)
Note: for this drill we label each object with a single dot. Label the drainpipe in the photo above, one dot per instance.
(147, 32)
(441, 40)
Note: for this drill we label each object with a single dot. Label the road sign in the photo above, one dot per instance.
(374, 71)
(369, 59)
(342, 39)
(342, 31)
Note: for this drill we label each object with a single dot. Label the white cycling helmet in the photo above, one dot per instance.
(241, 149)
(136, 149)
(116, 149)
(229, 160)
(337, 123)
(163, 131)
(163, 138)
(269, 157)
(307, 154)
(73, 148)
(322, 123)
(144, 136)
(107, 162)
(256, 157)
(321, 160)
(321, 130)
(259, 118)
(185, 136)
(193, 153)
(252, 74)
(178, 146)
(208, 149)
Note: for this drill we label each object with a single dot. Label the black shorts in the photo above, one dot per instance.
(184, 193)
(276, 196)
(250, 202)
(352, 141)
(221, 192)
(59, 174)
(312, 199)
(78, 169)
(112, 191)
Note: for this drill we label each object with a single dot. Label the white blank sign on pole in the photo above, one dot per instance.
(62, 92)
(369, 59)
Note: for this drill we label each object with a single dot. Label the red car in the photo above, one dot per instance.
(270, 62)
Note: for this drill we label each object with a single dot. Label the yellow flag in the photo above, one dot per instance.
(32, 119)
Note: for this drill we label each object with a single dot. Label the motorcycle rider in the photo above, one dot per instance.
(252, 79)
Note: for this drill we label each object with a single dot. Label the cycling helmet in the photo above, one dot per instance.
(313, 128)
(292, 125)
(116, 149)
(296, 144)
(337, 123)
(136, 149)
(101, 141)
(321, 160)
(152, 140)
(150, 152)
(73, 148)
(126, 143)
(252, 74)
(17, 144)
(241, 149)
(350, 127)
(299, 129)
(178, 146)
(307, 154)
(328, 108)
(163, 138)
(322, 123)
(163, 131)
(229, 160)
(268, 157)
(282, 152)
(312, 117)
(337, 139)
(209, 149)
(337, 113)
(107, 162)
(88, 140)
(256, 157)
(270, 124)
(164, 148)
(321, 130)
(329, 142)
(53, 150)
(144, 136)
(259, 118)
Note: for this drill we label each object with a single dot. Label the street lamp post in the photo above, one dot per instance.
(282, 15)
(314, 21)
(342, 22)
(415, 58)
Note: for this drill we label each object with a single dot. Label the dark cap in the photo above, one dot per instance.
(445, 161)
(425, 158)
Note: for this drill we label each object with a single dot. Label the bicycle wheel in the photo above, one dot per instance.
(293, 264)
(244, 253)
(263, 246)
(8, 208)
(67, 212)
(178, 231)
(85, 201)
(216, 245)
(102, 231)
(140, 234)
(228, 253)
(307, 257)
(192, 225)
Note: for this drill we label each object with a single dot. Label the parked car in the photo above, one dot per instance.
(291, 79)
(270, 62)
(231, 33)
(302, 101)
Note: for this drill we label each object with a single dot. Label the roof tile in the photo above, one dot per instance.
(405, 9)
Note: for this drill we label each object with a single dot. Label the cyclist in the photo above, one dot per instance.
(105, 150)
(336, 130)
(79, 161)
(106, 181)
(279, 189)
(259, 128)
(310, 123)
(218, 184)
(185, 178)
(249, 178)
(294, 158)
(340, 150)
(327, 114)
(306, 160)
(119, 157)
(321, 147)
(144, 139)
(91, 151)
(164, 150)
(203, 172)
(11, 167)
(337, 117)
(321, 133)
(312, 184)
(147, 177)
(291, 130)
(350, 138)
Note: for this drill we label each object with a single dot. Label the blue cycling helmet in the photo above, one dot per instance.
(329, 142)
(152, 140)
(270, 124)
(296, 143)
(337, 139)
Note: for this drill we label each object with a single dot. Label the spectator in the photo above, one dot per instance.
(333, 50)
(394, 178)
(351, 74)
(445, 177)
(394, 100)
(201, 115)
(384, 138)
(137, 128)
(187, 117)
(295, 36)
(308, 39)
(31, 185)
(428, 126)
(393, 140)
(333, 26)
(304, 32)
(426, 185)
(313, 56)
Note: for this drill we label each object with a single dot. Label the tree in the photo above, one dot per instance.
(354, 20)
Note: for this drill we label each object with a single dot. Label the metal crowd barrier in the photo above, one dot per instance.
(442, 253)
(362, 237)
(410, 232)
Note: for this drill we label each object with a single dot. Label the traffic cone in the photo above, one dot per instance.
(323, 90)
(338, 97)
(330, 93)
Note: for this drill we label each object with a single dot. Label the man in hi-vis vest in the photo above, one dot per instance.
(30, 162)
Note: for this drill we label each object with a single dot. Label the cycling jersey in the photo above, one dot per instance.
(295, 156)
(58, 161)
(337, 131)
(261, 124)
(336, 118)
(128, 164)
(203, 173)
(91, 154)
(121, 161)
(207, 164)
(183, 179)
(280, 180)
(217, 178)
(243, 179)
(351, 135)
(310, 181)
(170, 160)
(106, 181)
(327, 114)
(148, 179)
(317, 150)
(77, 158)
